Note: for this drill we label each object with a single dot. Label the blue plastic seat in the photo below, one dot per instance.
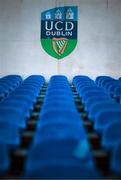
(106, 82)
(58, 77)
(92, 93)
(13, 76)
(106, 117)
(59, 115)
(95, 99)
(57, 97)
(6, 88)
(32, 82)
(59, 93)
(117, 93)
(9, 134)
(103, 105)
(57, 83)
(26, 93)
(63, 153)
(28, 89)
(24, 90)
(111, 89)
(61, 130)
(77, 79)
(55, 105)
(2, 93)
(66, 169)
(4, 159)
(14, 115)
(49, 128)
(115, 164)
(59, 86)
(19, 104)
(88, 88)
(23, 98)
(81, 85)
(8, 82)
(34, 86)
(80, 82)
(111, 135)
(101, 78)
(14, 79)
(80, 77)
(35, 78)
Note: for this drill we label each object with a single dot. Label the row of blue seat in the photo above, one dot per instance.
(60, 148)
(8, 84)
(14, 113)
(110, 85)
(104, 112)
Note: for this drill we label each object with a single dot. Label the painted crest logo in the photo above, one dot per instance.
(59, 31)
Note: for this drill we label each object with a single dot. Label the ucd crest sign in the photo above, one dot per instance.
(59, 31)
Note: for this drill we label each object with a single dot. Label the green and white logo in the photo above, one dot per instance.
(59, 31)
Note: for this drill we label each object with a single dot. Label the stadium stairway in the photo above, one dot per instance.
(60, 129)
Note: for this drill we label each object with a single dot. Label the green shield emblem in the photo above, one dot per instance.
(59, 31)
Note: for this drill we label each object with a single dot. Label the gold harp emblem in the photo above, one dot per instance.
(59, 45)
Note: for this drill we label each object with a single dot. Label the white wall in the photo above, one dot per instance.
(99, 44)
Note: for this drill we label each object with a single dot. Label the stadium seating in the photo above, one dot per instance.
(8, 84)
(4, 160)
(115, 164)
(59, 129)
